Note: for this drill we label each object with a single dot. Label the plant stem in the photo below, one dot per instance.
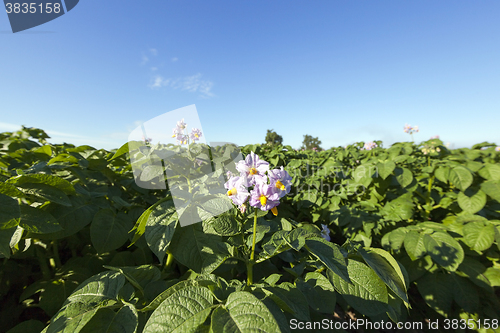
(42, 261)
(55, 249)
(252, 254)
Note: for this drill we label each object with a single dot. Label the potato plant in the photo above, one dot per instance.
(407, 233)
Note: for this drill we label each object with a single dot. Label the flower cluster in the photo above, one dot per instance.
(369, 146)
(179, 133)
(435, 137)
(410, 130)
(426, 150)
(146, 140)
(262, 187)
(497, 148)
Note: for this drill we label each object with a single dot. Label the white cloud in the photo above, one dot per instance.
(158, 82)
(6, 127)
(154, 52)
(154, 69)
(144, 60)
(174, 59)
(193, 83)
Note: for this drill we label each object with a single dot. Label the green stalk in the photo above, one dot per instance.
(42, 261)
(55, 249)
(428, 199)
(252, 254)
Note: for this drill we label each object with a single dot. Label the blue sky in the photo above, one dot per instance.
(343, 71)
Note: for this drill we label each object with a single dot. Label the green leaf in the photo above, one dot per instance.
(243, 313)
(437, 291)
(442, 174)
(367, 293)
(46, 192)
(297, 238)
(444, 250)
(319, 292)
(109, 231)
(493, 275)
(490, 172)
(461, 177)
(84, 302)
(329, 254)
(290, 299)
(395, 238)
(385, 169)
(225, 225)
(72, 219)
(183, 311)
(465, 294)
(10, 211)
(404, 176)
(160, 228)
(387, 268)
(414, 245)
(28, 326)
(108, 321)
(167, 293)
(200, 251)
(476, 272)
(479, 235)
(139, 276)
(129, 146)
(54, 181)
(492, 188)
(10, 190)
(471, 201)
(5, 237)
(38, 221)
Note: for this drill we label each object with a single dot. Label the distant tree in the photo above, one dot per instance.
(272, 138)
(311, 143)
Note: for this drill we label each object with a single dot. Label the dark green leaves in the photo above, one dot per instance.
(199, 251)
(160, 228)
(243, 313)
(479, 235)
(460, 177)
(183, 311)
(109, 231)
(10, 211)
(330, 255)
(84, 302)
(367, 293)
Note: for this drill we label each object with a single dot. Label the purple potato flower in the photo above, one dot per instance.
(497, 148)
(195, 134)
(253, 168)
(264, 197)
(325, 232)
(369, 146)
(237, 190)
(281, 181)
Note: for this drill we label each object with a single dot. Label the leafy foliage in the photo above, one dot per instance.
(415, 235)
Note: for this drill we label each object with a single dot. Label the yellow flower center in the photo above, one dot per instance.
(196, 135)
(263, 200)
(253, 171)
(232, 191)
(280, 185)
(275, 211)
(173, 136)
